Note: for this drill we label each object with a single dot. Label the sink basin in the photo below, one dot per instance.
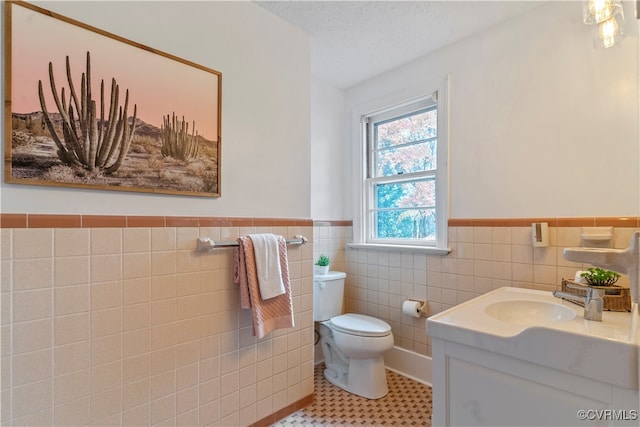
(529, 313)
(533, 326)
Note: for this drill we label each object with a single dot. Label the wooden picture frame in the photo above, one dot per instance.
(89, 109)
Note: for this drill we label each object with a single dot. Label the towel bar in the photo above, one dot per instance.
(207, 244)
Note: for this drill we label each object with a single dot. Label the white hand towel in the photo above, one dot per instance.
(265, 248)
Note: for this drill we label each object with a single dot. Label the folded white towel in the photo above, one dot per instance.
(265, 248)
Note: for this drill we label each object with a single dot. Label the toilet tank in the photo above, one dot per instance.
(328, 295)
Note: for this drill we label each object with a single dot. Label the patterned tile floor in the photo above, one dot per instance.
(408, 403)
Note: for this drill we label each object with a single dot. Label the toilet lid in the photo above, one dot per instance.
(360, 324)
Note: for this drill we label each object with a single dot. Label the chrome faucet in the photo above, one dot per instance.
(593, 301)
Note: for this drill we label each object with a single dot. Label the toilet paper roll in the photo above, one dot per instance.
(411, 308)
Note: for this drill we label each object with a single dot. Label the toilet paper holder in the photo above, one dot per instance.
(422, 307)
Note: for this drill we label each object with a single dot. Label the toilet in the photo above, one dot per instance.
(352, 344)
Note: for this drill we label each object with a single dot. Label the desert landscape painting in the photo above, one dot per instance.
(83, 116)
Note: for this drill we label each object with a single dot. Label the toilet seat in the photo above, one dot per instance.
(360, 325)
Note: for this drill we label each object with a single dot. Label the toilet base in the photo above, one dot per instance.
(365, 377)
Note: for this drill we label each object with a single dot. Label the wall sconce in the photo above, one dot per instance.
(607, 21)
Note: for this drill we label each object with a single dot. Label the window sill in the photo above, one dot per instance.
(429, 250)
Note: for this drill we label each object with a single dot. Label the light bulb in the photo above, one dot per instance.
(595, 11)
(611, 31)
(607, 31)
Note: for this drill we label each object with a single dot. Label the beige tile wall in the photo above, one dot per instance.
(132, 326)
(483, 258)
(330, 240)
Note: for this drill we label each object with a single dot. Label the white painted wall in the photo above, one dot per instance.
(542, 124)
(328, 164)
(265, 109)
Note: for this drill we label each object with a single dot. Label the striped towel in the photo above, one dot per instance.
(271, 314)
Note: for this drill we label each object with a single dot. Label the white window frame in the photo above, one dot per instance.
(362, 226)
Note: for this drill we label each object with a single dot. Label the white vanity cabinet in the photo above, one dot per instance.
(534, 366)
(473, 387)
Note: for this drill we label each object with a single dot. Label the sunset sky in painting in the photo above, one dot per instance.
(158, 85)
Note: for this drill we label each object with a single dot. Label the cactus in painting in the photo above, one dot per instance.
(176, 141)
(89, 140)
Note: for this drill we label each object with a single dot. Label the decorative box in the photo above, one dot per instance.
(617, 297)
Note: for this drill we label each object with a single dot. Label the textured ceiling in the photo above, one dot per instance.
(352, 41)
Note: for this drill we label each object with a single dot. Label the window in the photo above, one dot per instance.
(404, 188)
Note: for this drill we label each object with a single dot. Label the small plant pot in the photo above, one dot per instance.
(321, 269)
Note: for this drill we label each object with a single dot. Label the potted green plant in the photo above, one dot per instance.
(322, 265)
(600, 277)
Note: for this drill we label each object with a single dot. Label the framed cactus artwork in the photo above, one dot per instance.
(87, 108)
